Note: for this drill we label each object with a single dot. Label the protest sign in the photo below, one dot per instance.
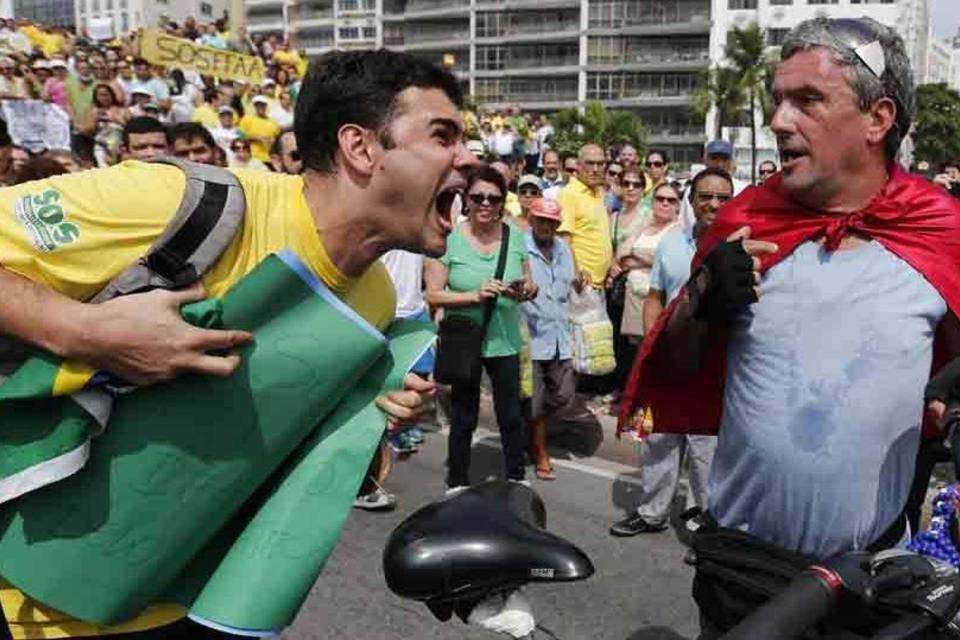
(36, 125)
(100, 28)
(160, 48)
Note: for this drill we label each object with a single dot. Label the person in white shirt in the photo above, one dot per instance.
(227, 131)
(503, 141)
(282, 111)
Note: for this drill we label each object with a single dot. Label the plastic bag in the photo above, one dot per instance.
(592, 333)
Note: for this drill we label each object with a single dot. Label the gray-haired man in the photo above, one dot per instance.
(825, 356)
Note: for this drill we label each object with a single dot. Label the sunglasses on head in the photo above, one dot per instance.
(485, 198)
(632, 184)
(653, 164)
(861, 39)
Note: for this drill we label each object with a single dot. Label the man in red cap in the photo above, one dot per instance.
(551, 266)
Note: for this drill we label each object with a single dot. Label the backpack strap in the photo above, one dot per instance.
(209, 217)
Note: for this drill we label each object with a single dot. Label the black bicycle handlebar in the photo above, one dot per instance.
(808, 599)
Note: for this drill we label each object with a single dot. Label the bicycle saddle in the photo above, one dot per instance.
(486, 539)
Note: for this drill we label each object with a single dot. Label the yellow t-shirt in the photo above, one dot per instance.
(206, 115)
(253, 126)
(290, 59)
(76, 232)
(512, 204)
(585, 219)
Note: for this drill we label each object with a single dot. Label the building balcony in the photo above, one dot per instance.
(648, 17)
(677, 135)
(313, 45)
(532, 29)
(646, 99)
(647, 59)
(431, 9)
(427, 39)
(543, 65)
(528, 4)
(264, 3)
(262, 22)
(526, 91)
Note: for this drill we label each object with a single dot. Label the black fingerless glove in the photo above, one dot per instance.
(723, 284)
(945, 386)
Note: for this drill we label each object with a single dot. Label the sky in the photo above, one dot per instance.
(945, 17)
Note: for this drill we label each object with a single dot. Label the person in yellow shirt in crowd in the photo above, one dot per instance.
(512, 203)
(259, 129)
(283, 56)
(207, 112)
(586, 226)
(380, 136)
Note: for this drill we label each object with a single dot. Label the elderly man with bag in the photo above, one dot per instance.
(817, 307)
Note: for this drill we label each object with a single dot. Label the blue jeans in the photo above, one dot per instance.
(504, 375)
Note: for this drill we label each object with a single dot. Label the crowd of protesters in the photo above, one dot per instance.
(594, 218)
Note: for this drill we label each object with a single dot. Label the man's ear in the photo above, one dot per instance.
(358, 148)
(881, 117)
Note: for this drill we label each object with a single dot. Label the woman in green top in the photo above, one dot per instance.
(461, 283)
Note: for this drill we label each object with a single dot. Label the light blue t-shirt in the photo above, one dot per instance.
(547, 314)
(671, 265)
(824, 399)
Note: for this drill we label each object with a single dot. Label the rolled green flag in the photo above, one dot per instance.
(181, 460)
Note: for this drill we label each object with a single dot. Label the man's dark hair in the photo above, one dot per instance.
(706, 173)
(486, 173)
(950, 163)
(657, 152)
(189, 131)
(770, 162)
(141, 125)
(361, 88)
(554, 152)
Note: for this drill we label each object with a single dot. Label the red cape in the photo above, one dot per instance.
(913, 218)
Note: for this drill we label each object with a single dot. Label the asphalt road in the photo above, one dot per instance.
(640, 591)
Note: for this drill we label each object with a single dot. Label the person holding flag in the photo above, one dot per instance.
(378, 176)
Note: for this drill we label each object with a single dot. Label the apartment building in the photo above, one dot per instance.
(539, 55)
(55, 12)
(133, 14)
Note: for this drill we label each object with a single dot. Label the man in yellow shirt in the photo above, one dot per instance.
(585, 223)
(259, 129)
(380, 136)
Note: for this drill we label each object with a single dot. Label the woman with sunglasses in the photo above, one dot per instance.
(642, 250)
(461, 282)
(625, 224)
(240, 157)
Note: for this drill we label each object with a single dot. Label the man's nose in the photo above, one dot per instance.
(464, 158)
(782, 121)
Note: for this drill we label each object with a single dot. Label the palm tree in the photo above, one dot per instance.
(746, 50)
(724, 91)
(598, 124)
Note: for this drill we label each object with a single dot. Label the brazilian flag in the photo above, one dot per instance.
(225, 495)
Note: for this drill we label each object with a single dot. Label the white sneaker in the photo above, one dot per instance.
(377, 500)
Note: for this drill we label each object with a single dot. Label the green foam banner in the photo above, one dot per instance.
(227, 494)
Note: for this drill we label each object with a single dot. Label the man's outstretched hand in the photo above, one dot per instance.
(142, 338)
(407, 407)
